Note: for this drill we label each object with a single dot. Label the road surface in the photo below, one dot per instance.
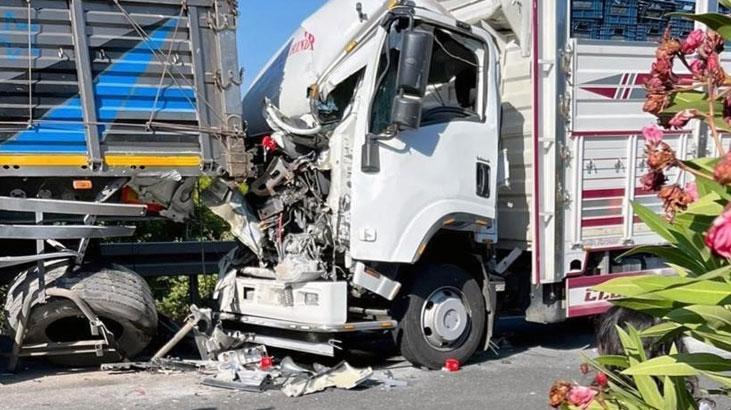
(529, 359)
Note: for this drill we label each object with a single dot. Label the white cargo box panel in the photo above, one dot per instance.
(571, 132)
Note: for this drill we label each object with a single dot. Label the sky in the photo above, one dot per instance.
(264, 26)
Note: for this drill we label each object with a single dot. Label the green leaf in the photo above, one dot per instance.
(709, 185)
(716, 317)
(681, 364)
(653, 307)
(670, 254)
(719, 122)
(653, 221)
(613, 360)
(647, 387)
(704, 165)
(623, 286)
(717, 338)
(723, 272)
(671, 398)
(688, 100)
(632, 348)
(660, 330)
(708, 205)
(640, 285)
(613, 376)
(725, 3)
(714, 21)
(625, 399)
(702, 292)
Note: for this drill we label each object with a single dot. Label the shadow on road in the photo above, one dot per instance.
(511, 337)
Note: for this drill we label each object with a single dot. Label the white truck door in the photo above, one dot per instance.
(444, 172)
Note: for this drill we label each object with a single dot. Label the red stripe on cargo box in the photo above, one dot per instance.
(610, 221)
(610, 193)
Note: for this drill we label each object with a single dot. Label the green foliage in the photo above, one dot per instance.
(696, 302)
(172, 293)
(717, 22)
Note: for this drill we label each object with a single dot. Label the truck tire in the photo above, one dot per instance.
(121, 298)
(442, 316)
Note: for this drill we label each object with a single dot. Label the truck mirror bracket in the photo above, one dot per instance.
(370, 158)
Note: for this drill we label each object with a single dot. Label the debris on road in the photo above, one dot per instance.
(232, 361)
(343, 376)
(386, 379)
(451, 365)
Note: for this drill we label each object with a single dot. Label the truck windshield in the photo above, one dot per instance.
(452, 89)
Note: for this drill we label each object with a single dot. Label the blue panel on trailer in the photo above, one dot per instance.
(116, 91)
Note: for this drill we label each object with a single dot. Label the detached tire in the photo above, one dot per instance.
(441, 317)
(119, 297)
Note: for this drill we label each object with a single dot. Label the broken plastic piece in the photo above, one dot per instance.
(343, 376)
(288, 367)
(246, 380)
(244, 356)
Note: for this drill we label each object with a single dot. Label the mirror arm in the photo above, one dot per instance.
(370, 157)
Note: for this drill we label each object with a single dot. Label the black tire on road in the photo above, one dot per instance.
(426, 282)
(121, 298)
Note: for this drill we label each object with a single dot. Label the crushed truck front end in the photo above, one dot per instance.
(377, 158)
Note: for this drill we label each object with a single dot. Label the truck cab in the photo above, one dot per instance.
(379, 190)
(421, 165)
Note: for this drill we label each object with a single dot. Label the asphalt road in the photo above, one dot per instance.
(530, 357)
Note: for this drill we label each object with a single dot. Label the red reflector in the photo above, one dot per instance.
(451, 365)
(266, 362)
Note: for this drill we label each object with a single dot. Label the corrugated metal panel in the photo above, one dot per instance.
(150, 91)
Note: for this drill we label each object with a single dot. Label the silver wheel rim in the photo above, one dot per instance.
(445, 318)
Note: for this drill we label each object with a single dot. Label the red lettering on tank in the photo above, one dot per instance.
(306, 42)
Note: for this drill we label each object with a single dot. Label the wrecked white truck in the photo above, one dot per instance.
(416, 174)
(403, 169)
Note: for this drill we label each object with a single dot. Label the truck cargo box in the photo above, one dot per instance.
(571, 137)
(99, 87)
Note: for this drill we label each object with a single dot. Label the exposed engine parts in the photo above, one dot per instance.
(284, 217)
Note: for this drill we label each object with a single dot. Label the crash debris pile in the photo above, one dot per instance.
(230, 360)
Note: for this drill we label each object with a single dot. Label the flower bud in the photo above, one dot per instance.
(653, 180)
(722, 171)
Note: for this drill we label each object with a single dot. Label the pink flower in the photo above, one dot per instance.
(653, 134)
(692, 189)
(698, 68)
(681, 119)
(692, 42)
(718, 237)
(581, 396)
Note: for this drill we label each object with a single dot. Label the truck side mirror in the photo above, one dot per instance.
(412, 78)
(413, 68)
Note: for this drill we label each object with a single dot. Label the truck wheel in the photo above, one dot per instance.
(121, 298)
(442, 316)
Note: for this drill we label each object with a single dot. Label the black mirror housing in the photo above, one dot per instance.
(413, 70)
(406, 111)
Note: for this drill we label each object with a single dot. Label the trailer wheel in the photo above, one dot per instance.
(121, 298)
(442, 316)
